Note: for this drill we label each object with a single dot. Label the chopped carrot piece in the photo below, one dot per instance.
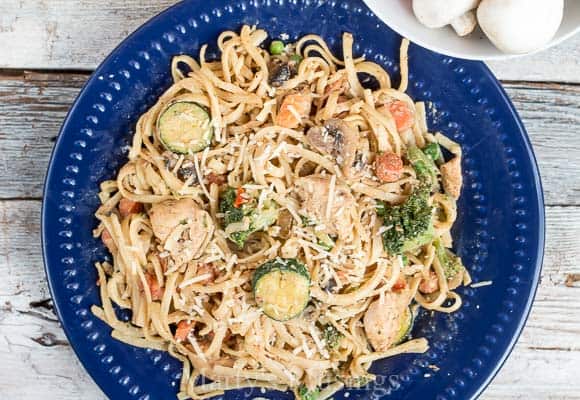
(400, 284)
(108, 241)
(128, 207)
(156, 290)
(294, 107)
(388, 167)
(402, 114)
(338, 85)
(183, 329)
(240, 198)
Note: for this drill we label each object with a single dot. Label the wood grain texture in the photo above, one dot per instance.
(32, 109)
(549, 342)
(33, 106)
(60, 34)
(35, 358)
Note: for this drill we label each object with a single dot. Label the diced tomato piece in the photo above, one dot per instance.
(240, 199)
(108, 241)
(402, 114)
(388, 167)
(163, 262)
(294, 107)
(183, 329)
(128, 207)
(400, 284)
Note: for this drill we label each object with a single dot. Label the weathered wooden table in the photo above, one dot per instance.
(47, 51)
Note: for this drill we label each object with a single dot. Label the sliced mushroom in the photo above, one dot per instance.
(285, 221)
(340, 140)
(182, 227)
(452, 178)
(185, 171)
(280, 73)
(314, 192)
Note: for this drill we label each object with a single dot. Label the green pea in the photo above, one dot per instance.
(297, 58)
(276, 47)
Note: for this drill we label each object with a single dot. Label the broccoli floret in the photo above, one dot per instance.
(433, 151)
(424, 166)
(306, 394)
(410, 221)
(331, 336)
(450, 263)
(239, 238)
(264, 217)
(259, 219)
(405, 221)
(231, 214)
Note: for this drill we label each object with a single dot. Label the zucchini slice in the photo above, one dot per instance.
(185, 127)
(405, 326)
(282, 288)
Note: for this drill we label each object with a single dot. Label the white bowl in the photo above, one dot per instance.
(398, 15)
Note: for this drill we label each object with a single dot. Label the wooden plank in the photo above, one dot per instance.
(550, 114)
(62, 34)
(32, 109)
(549, 342)
(559, 63)
(34, 106)
(58, 34)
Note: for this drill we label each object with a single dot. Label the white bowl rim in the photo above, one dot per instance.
(375, 6)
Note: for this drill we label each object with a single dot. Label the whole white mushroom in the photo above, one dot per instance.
(520, 26)
(439, 13)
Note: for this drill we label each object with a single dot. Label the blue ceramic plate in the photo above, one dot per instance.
(499, 232)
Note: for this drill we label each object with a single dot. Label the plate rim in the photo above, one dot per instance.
(537, 182)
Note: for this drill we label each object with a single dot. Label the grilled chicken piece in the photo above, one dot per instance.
(182, 227)
(382, 321)
(451, 177)
(315, 194)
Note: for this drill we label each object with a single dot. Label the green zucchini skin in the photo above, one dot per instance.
(286, 269)
(407, 320)
(185, 127)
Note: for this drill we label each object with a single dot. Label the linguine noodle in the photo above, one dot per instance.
(189, 287)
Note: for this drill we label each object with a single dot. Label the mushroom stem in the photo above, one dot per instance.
(464, 24)
(439, 13)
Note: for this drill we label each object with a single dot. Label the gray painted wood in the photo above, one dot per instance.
(35, 105)
(62, 34)
(543, 366)
(36, 360)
